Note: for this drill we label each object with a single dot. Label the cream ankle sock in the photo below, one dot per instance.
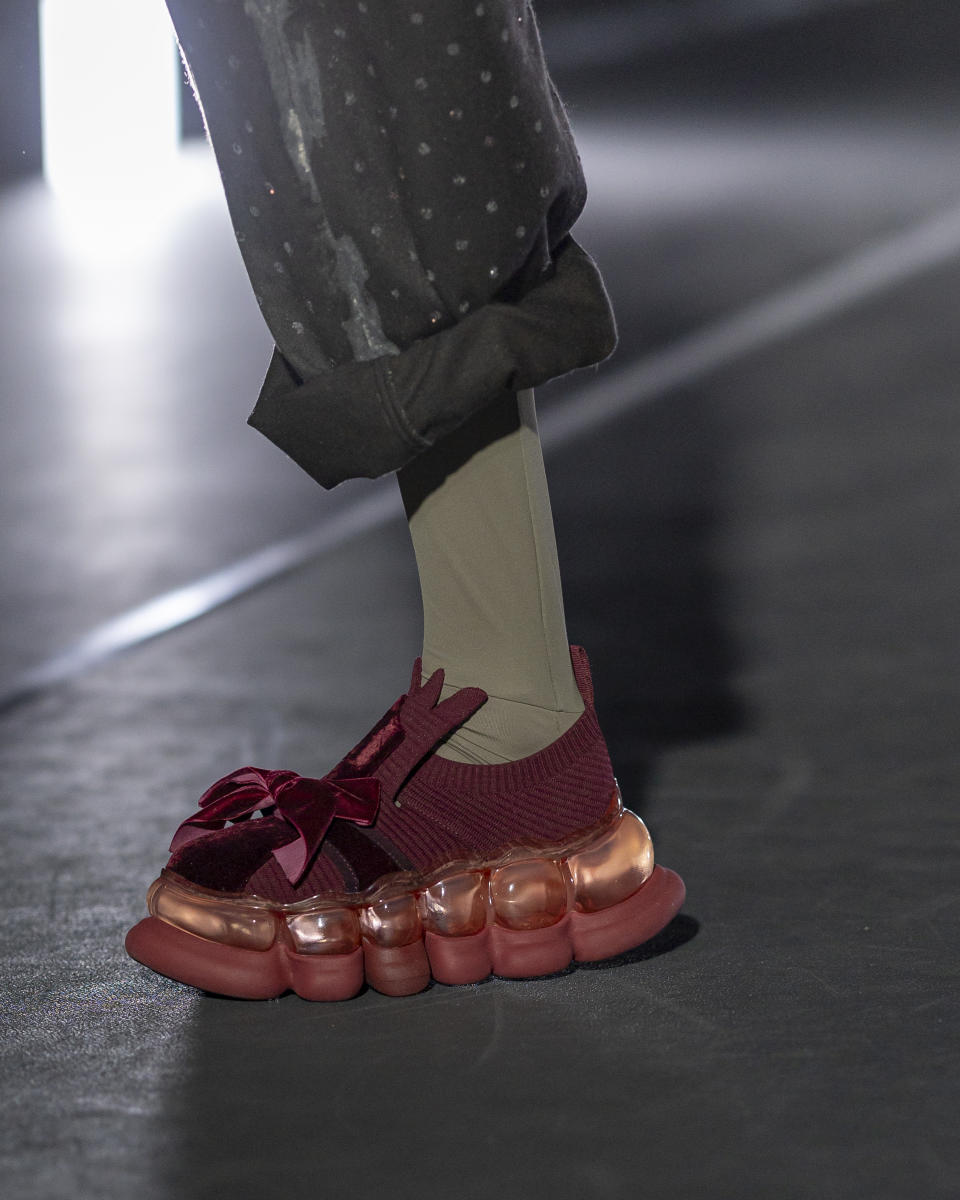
(482, 530)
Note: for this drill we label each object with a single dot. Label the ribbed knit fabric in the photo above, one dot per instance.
(432, 810)
(448, 807)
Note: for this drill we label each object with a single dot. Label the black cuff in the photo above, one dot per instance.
(369, 418)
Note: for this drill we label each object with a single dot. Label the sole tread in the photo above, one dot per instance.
(405, 970)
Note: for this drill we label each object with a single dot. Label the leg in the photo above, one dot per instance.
(482, 531)
(478, 826)
(402, 181)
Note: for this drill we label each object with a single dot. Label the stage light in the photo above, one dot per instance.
(110, 99)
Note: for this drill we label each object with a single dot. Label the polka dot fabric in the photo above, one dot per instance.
(391, 168)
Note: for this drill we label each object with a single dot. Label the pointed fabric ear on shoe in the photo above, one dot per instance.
(581, 673)
(417, 676)
(427, 694)
(425, 720)
(422, 706)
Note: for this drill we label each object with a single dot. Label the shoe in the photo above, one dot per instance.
(400, 865)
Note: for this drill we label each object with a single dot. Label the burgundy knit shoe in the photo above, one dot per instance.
(400, 865)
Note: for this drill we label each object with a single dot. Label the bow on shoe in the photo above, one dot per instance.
(374, 771)
(309, 805)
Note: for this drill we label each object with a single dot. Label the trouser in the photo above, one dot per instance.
(402, 182)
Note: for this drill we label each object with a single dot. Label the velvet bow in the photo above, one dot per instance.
(374, 770)
(308, 805)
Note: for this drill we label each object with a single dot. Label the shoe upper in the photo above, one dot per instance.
(392, 804)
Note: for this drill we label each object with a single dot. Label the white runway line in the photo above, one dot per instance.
(814, 300)
(172, 609)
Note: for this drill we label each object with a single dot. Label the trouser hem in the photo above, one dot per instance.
(366, 419)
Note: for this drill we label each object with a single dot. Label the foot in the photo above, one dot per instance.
(400, 865)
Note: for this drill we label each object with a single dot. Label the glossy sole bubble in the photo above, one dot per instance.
(530, 911)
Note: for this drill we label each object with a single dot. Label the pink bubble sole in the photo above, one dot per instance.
(253, 974)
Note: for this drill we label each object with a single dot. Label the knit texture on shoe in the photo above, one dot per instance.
(448, 806)
(432, 810)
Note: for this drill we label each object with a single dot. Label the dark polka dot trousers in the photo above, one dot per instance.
(402, 182)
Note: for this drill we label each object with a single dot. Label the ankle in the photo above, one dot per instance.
(505, 730)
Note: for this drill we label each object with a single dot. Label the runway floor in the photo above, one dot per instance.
(757, 512)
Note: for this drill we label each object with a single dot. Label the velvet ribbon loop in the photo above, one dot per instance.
(308, 805)
(373, 771)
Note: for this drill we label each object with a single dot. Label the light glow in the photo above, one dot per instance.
(110, 100)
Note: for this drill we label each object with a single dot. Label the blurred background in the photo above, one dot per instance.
(756, 504)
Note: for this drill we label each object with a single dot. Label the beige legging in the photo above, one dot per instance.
(482, 531)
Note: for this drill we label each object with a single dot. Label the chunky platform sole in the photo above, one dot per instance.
(529, 912)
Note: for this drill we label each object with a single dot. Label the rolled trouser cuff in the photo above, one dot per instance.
(366, 419)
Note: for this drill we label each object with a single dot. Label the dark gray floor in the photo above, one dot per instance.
(763, 563)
